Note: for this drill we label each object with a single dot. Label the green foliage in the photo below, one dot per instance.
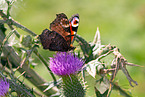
(98, 94)
(72, 87)
(18, 57)
(26, 41)
(86, 48)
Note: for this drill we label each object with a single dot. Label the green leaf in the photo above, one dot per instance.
(98, 94)
(26, 40)
(86, 48)
(2, 28)
(92, 67)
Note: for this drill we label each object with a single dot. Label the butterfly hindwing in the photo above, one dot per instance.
(49, 38)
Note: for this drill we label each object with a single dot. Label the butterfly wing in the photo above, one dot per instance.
(74, 23)
(61, 26)
(62, 35)
(53, 41)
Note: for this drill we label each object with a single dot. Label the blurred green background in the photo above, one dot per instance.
(121, 23)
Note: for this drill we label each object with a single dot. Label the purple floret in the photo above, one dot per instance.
(4, 87)
(65, 64)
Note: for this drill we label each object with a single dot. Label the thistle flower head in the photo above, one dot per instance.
(65, 64)
(4, 87)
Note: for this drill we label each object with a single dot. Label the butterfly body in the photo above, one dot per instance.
(62, 33)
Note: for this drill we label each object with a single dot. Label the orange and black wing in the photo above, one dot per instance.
(61, 26)
(53, 41)
(62, 33)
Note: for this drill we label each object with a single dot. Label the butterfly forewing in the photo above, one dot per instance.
(74, 23)
(61, 26)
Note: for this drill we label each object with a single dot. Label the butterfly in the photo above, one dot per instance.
(62, 34)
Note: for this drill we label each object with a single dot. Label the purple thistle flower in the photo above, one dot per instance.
(4, 87)
(65, 64)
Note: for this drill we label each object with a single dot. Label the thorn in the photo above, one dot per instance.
(131, 64)
(96, 35)
(97, 40)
